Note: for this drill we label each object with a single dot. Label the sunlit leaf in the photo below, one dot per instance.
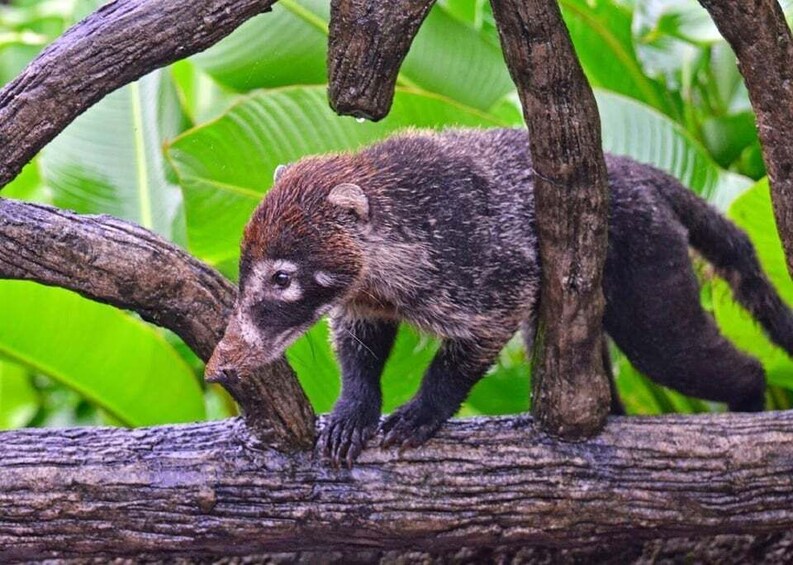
(119, 363)
(109, 160)
(752, 211)
(601, 34)
(19, 400)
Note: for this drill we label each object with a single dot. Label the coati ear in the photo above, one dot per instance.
(350, 196)
(279, 170)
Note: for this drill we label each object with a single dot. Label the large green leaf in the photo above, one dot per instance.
(18, 398)
(202, 98)
(601, 34)
(109, 160)
(288, 47)
(451, 59)
(119, 363)
(753, 212)
(636, 130)
(28, 185)
(283, 47)
(214, 161)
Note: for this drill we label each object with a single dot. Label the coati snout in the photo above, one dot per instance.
(286, 284)
(437, 230)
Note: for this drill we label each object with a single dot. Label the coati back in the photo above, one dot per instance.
(438, 230)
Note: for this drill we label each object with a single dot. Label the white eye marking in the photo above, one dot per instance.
(322, 310)
(323, 278)
(280, 265)
(249, 331)
(292, 293)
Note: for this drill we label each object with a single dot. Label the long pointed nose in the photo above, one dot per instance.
(230, 357)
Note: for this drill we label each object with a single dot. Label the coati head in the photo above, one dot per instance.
(301, 255)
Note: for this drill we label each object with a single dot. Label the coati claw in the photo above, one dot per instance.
(344, 438)
(410, 426)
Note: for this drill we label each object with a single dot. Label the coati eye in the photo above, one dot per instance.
(281, 279)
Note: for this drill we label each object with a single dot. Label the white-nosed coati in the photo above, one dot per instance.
(438, 230)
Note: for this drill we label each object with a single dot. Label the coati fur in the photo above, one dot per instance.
(438, 230)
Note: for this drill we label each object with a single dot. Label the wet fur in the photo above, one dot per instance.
(449, 245)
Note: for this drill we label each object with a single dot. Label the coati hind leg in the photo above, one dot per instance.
(456, 368)
(654, 315)
(362, 347)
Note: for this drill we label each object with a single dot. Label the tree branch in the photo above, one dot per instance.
(208, 489)
(118, 263)
(761, 39)
(571, 391)
(115, 45)
(368, 42)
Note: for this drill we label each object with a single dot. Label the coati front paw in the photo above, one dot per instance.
(411, 425)
(345, 435)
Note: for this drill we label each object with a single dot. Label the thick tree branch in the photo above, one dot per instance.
(571, 391)
(761, 39)
(115, 45)
(368, 42)
(206, 489)
(118, 263)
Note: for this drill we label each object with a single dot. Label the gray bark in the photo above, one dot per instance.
(211, 490)
(570, 387)
(368, 42)
(117, 44)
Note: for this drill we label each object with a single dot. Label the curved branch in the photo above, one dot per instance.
(115, 45)
(118, 263)
(183, 490)
(571, 390)
(762, 41)
(368, 42)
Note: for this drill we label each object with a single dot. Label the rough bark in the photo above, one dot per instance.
(115, 45)
(769, 549)
(118, 263)
(761, 39)
(368, 42)
(570, 388)
(207, 489)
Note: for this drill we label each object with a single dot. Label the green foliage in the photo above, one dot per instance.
(189, 151)
(752, 211)
(116, 361)
(110, 160)
(19, 400)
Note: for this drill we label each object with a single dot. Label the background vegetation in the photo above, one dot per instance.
(189, 150)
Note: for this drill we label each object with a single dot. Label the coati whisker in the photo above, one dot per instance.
(361, 343)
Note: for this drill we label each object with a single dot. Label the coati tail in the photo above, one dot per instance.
(729, 249)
